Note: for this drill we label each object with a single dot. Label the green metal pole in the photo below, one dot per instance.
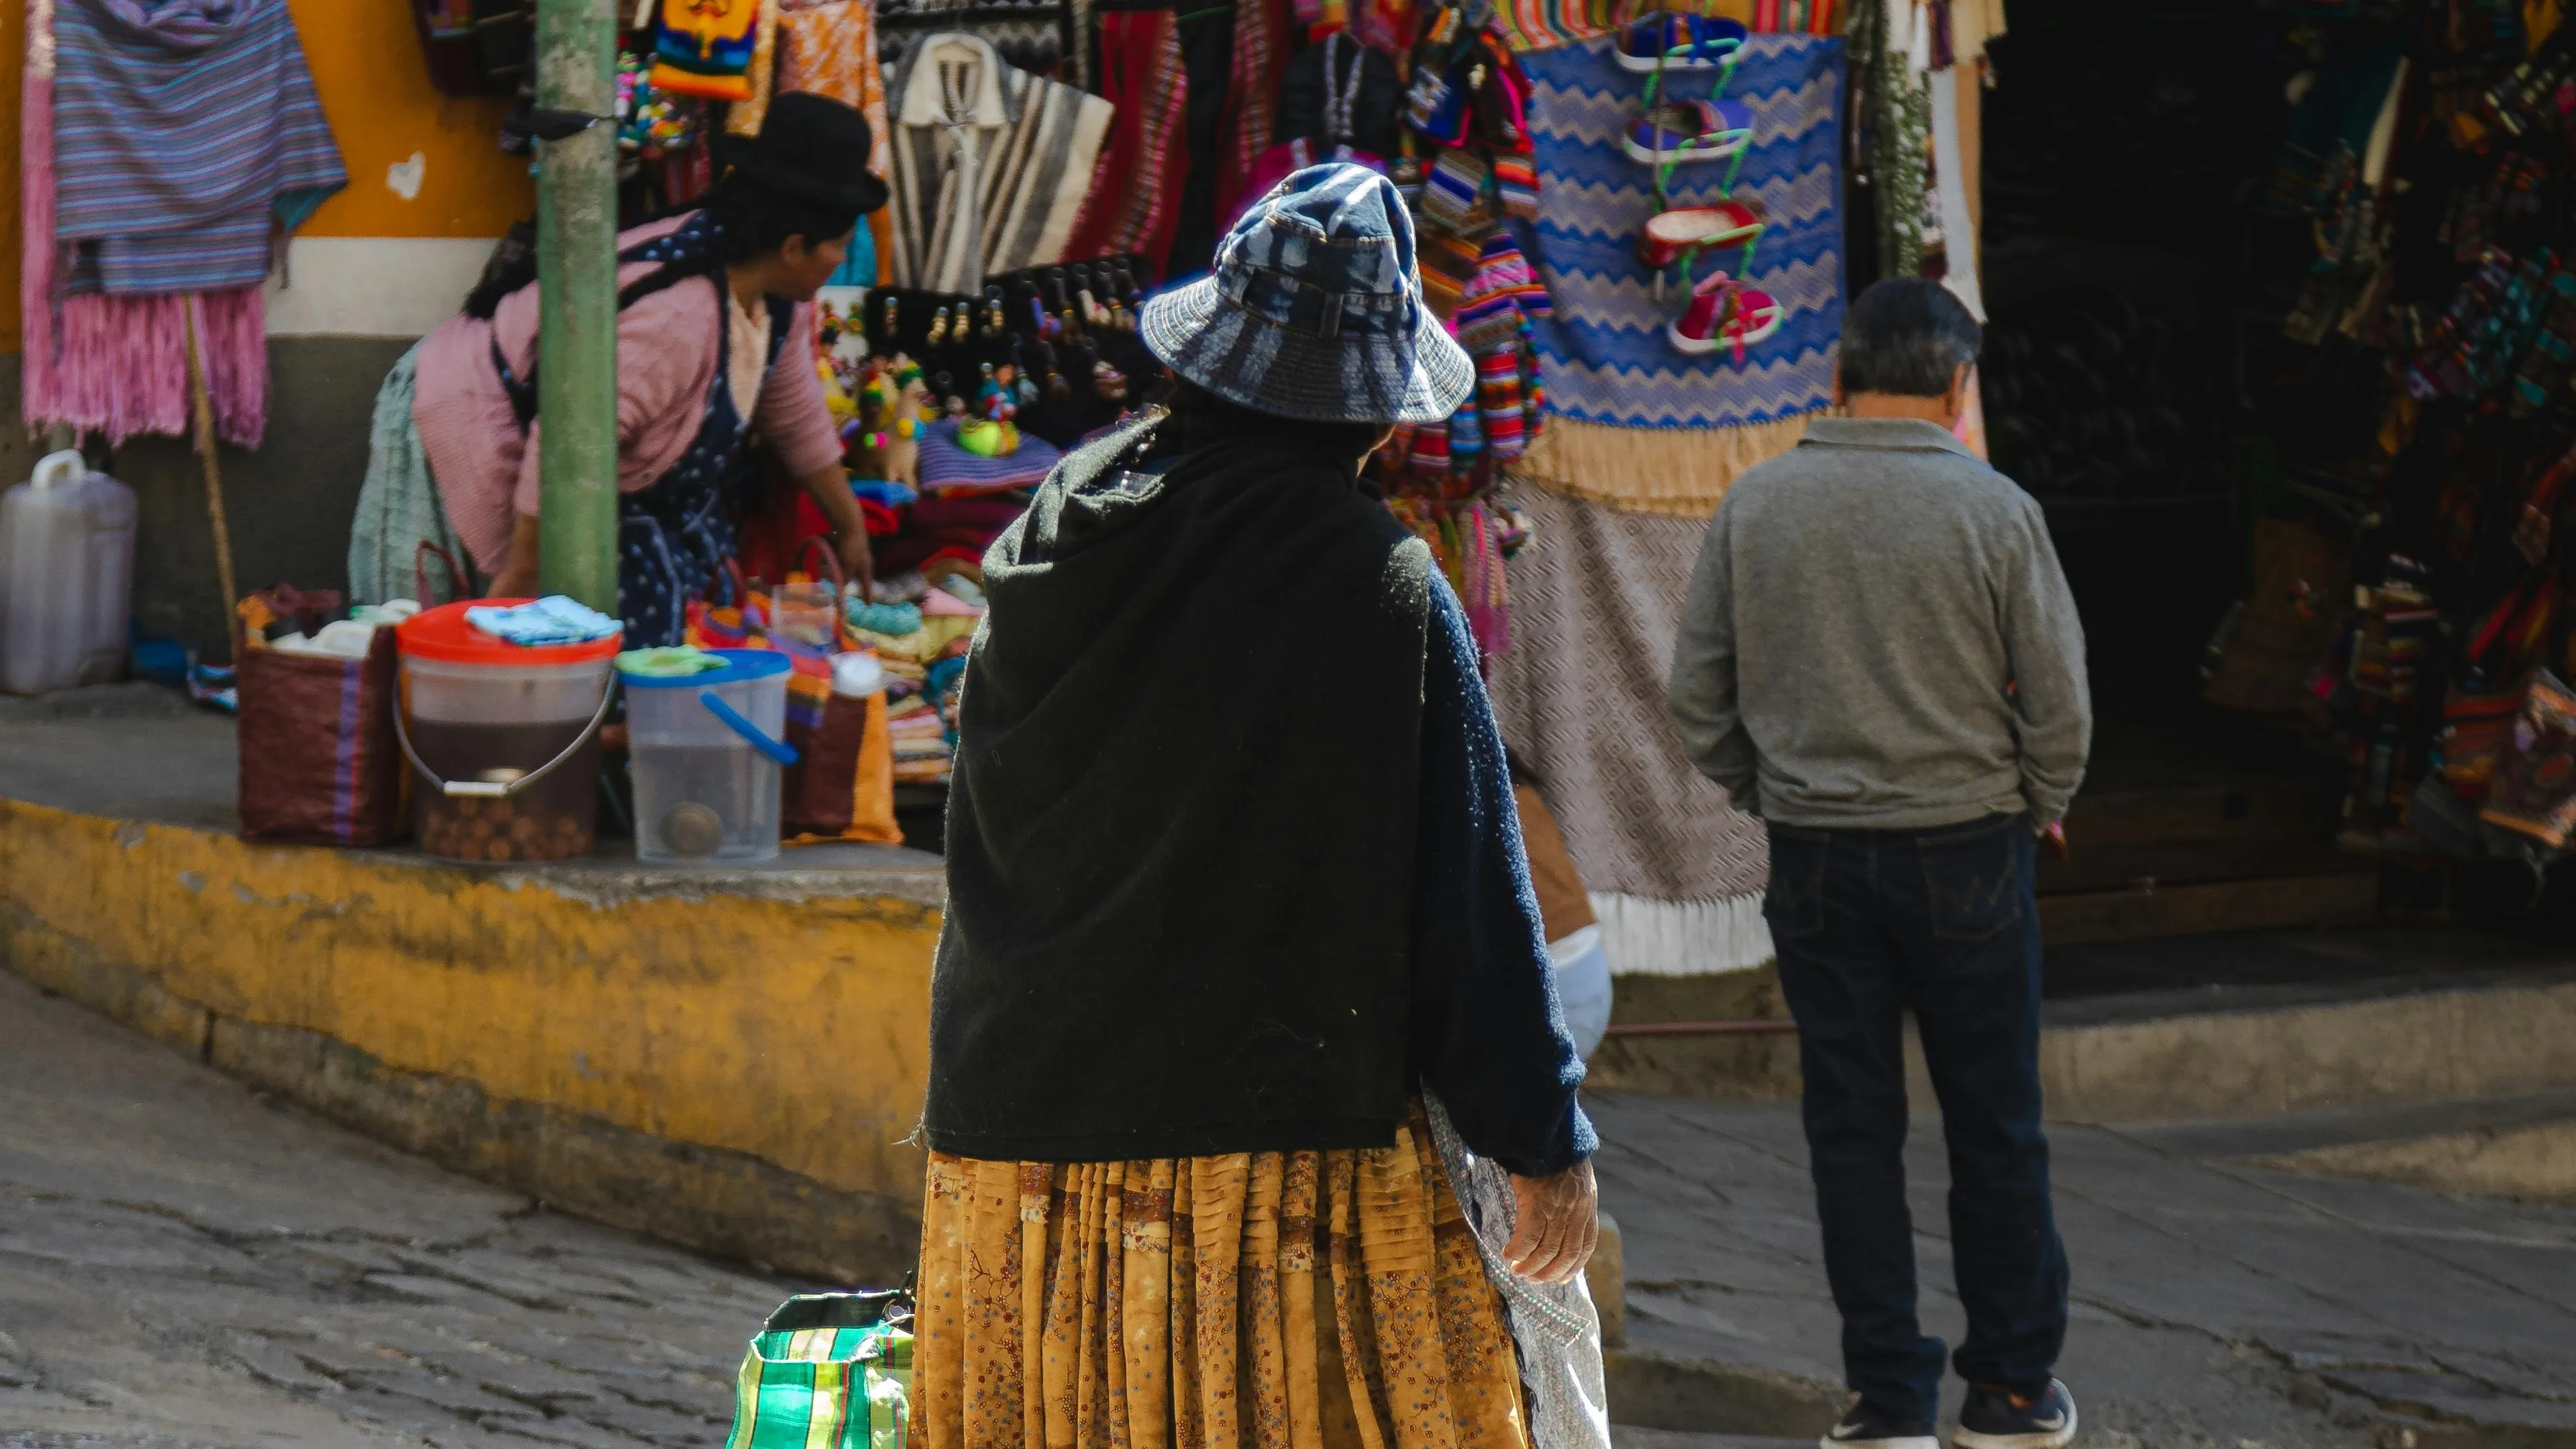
(577, 312)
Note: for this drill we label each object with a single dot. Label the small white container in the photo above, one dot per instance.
(66, 577)
(706, 753)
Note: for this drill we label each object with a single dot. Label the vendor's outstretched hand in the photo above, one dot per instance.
(858, 563)
(1556, 1221)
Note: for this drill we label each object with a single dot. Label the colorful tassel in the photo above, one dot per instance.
(1516, 181)
(1430, 451)
(1466, 438)
(1498, 396)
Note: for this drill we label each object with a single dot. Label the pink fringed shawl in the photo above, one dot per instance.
(118, 365)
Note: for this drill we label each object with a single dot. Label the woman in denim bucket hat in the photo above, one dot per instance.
(1239, 933)
(1315, 311)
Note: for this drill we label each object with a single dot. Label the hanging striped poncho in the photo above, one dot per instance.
(185, 131)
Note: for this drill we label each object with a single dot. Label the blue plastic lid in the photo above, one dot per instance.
(740, 664)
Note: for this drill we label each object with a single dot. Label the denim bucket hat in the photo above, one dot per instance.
(1315, 312)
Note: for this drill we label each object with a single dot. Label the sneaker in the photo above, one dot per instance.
(1690, 132)
(1866, 1428)
(1724, 313)
(1997, 1418)
(1673, 240)
(1671, 41)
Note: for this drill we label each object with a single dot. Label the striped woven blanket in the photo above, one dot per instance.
(1604, 357)
(182, 129)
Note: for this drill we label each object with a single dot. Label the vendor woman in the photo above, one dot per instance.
(714, 345)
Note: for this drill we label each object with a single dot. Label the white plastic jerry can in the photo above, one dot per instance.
(66, 577)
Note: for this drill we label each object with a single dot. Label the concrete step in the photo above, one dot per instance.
(2248, 829)
(2152, 909)
(1632, 1436)
(2521, 1147)
(1690, 1397)
(2346, 1020)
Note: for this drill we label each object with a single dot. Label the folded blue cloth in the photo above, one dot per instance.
(554, 619)
(885, 491)
(947, 466)
(892, 620)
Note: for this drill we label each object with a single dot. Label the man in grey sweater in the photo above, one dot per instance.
(1879, 657)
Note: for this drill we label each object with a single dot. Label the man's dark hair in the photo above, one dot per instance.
(1907, 336)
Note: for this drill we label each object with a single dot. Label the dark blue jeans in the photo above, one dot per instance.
(1871, 924)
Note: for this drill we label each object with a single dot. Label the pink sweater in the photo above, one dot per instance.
(666, 360)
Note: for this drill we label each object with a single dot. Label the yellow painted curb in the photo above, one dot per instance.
(586, 1035)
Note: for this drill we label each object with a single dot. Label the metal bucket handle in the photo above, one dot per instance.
(502, 789)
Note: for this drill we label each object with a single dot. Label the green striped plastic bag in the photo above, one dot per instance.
(828, 1371)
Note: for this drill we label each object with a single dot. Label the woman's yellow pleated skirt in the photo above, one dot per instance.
(1300, 1300)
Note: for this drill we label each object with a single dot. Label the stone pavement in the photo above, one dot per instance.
(2216, 1303)
(186, 1266)
(183, 1266)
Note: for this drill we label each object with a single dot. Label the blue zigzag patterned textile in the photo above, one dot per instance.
(1604, 357)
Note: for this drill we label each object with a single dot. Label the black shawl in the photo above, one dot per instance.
(1181, 828)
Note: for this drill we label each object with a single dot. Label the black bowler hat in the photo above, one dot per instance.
(812, 148)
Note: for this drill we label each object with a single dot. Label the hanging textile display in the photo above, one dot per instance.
(1341, 93)
(1252, 115)
(182, 132)
(1645, 413)
(126, 233)
(745, 116)
(1141, 74)
(991, 164)
(829, 48)
(1949, 94)
(704, 48)
(1676, 872)
(1688, 232)
(1467, 111)
(1891, 46)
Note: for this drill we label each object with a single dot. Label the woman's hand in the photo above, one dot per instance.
(829, 487)
(518, 576)
(515, 582)
(1556, 1222)
(858, 562)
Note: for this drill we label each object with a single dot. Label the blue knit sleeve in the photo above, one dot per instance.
(1487, 1031)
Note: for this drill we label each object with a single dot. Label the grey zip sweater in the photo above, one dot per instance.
(1878, 637)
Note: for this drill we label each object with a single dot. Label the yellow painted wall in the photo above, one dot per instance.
(367, 68)
(796, 1031)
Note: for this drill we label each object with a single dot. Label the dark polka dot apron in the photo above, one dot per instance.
(675, 533)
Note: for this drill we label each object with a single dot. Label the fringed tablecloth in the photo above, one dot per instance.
(1676, 873)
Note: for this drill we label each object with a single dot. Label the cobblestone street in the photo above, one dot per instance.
(184, 1266)
(187, 1265)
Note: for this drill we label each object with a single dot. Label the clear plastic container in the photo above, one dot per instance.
(707, 754)
(66, 577)
(480, 712)
(806, 614)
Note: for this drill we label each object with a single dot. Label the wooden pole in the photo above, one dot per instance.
(203, 400)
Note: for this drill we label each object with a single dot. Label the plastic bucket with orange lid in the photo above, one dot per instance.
(503, 738)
